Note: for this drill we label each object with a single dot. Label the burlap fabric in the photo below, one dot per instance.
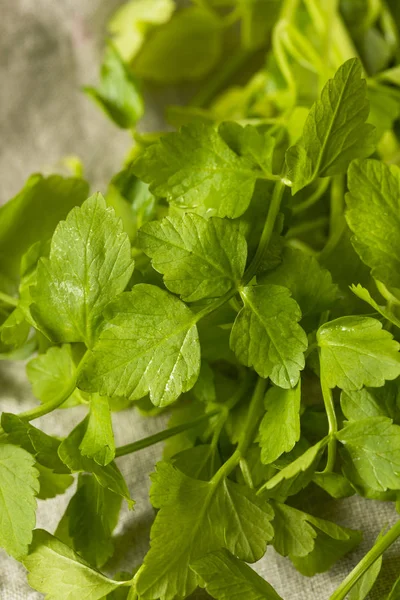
(48, 49)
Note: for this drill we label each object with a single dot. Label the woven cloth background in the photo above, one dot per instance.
(48, 49)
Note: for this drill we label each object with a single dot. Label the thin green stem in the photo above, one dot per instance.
(8, 299)
(332, 421)
(306, 227)
(376, 551)
(162, 435)
(223, 75)
(323, 185)
(266, 233)
(256, 410)
(337, 204)
(244, 467)
(48, 407)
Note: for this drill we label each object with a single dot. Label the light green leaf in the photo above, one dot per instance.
(310, 284)
(248, 141)
(196, 169)
(109, 476)
(204, 388)
(364, 585)
(335, 131)
(371, 402)
(293, 534)
(374, 447)
(52, 484)
(132, 21)
(334, 484)
(165, 58)
(364, 294)
(52, 374)
(280, 427)
(195, 518)
(357, 352)
(90, 263)
(18, 487)
(198, 258)
(373, 215)
(92, 515)
(199, 462)
(118, 93)
(98, 441)
(61, 574)
(32, 215)
(296, 475)
(224, 577)
(149, 344)
(15, 329)
(266, 334)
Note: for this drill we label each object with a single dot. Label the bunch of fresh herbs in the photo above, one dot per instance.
(242, 275)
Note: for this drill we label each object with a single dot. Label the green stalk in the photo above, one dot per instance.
(8, 299)
(162, 435)
(332, 422)
(266, 233)
(323, 185)
(376, 551)
(48, 407)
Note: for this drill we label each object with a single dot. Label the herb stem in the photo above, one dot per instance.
(48, 407)
(366, 562)
(266, 233)
(8, 299)
(254, 414)
(313, 198)
(162, 435)
(332, 422)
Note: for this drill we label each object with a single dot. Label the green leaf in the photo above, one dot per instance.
(357, 352)
(165, 58)
(280, 427)
(15, 329)
(293, 534)
(296, 475)
(61, 574)
(131, 22)
(90, 263)
(18, 487)
(310, 284)
(44, 447)
(198, 258)
(371, 402)
(52, 484)
(334, 484)
(32, 215)
(118, 93)
(53, 373)
(373, 445)
(149, 344)
(364, 585)
(109, 476)
(225, 577)
(248, 141)
(331, 544)
(373, 209)
(204, 388)
(199, 462)
(335, 131)
(195, 518)
(98, 441)
(92, 515)
(386, 312)
(395, 591)
(266, 334)
(197, 169)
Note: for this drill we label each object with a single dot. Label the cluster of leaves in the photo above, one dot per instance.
(242, 273)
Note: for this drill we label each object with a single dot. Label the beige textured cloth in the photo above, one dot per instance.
(48, 49)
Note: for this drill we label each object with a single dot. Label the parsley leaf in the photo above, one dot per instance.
(148, 344)
(198, 258)
(374, 445)
(118, 93)
(61, 574)
(225, 576)
(90, 263)
(356, 351)
(280, 427)
(197, 169)
(184, 529)
(335, 131)
(98, 441)
(266, 334)
(18, 487)
(373, 216)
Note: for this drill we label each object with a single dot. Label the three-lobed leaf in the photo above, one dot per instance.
(266, 334)
(149, 344)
